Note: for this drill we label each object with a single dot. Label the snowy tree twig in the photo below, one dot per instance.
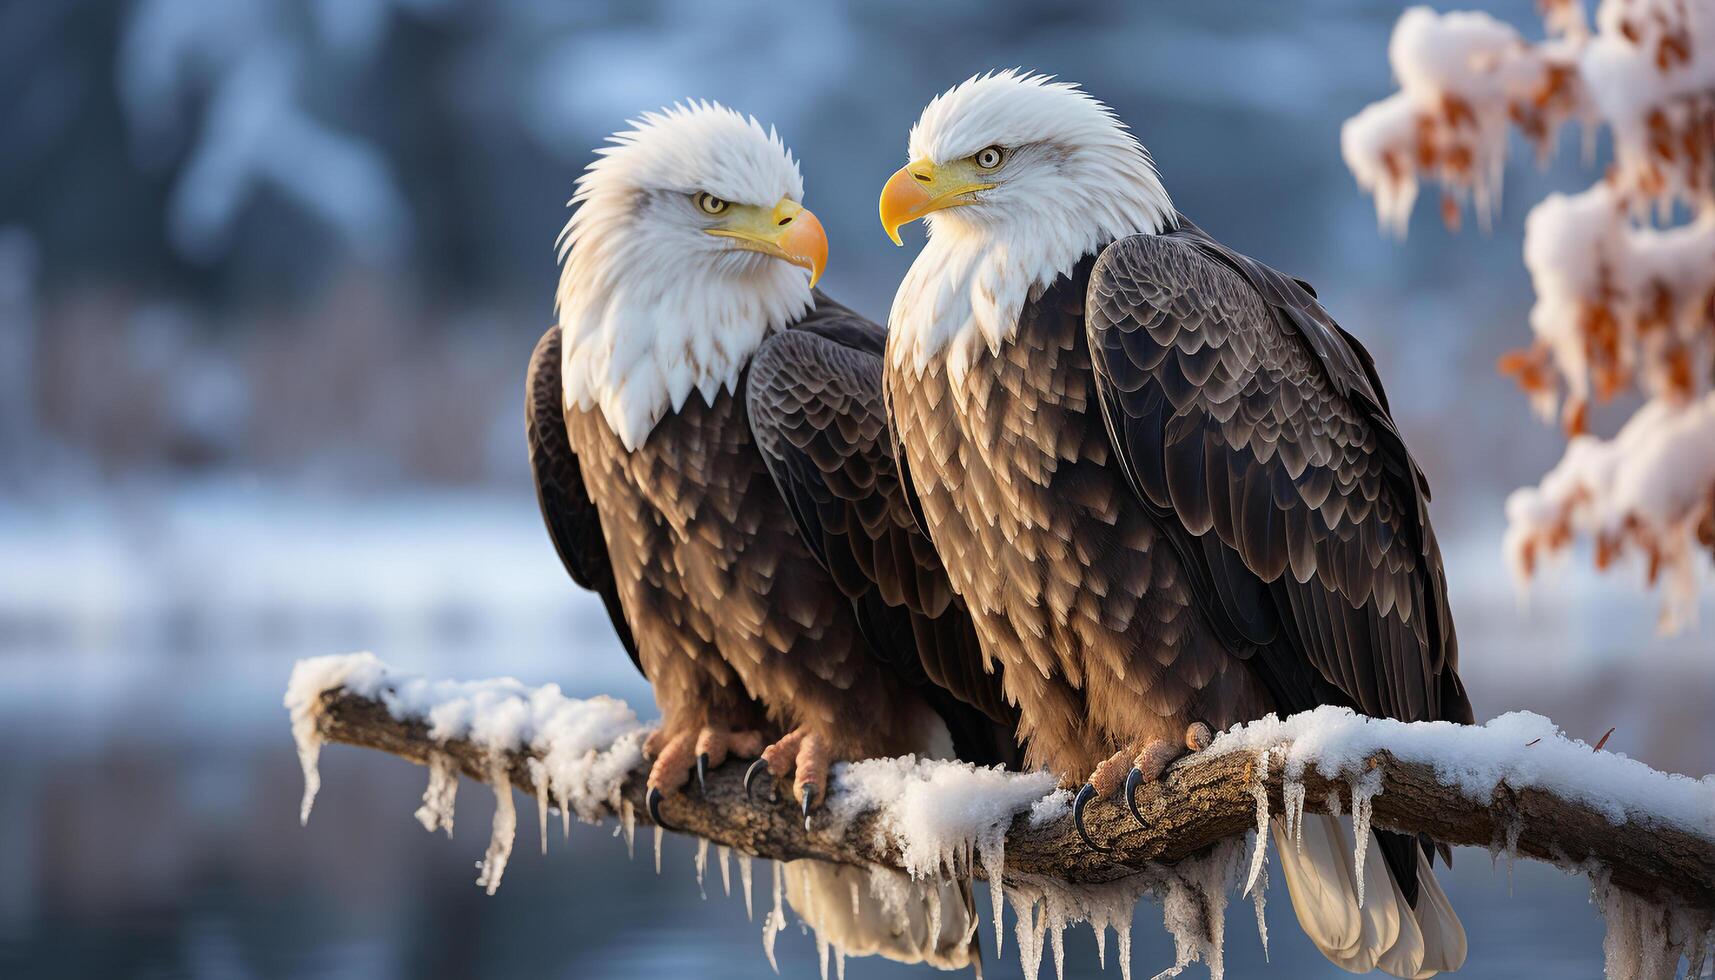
(1201, 802)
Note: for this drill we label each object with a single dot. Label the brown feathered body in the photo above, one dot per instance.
(1069, 581)
(731, 613)
(1174, 494)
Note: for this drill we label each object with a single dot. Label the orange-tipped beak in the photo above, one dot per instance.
(921, 187)
(805, 244)
(789, 231)
(904, 199)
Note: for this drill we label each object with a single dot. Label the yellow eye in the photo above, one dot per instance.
(990, 157)
(708, 203)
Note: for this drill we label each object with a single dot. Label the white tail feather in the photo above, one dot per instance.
(885, 913)
(1385, 933)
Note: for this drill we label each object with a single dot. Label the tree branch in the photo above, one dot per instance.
(1200, 803)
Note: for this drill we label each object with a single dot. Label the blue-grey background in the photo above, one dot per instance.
(269, 274)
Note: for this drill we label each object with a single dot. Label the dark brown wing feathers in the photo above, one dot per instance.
(1268, 443)
(573, 522)
(815, 404)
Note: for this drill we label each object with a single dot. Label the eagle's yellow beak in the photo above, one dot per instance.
(921, 187)
(790, 232)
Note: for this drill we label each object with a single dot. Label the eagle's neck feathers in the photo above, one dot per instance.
(965, 292)
(643, 327)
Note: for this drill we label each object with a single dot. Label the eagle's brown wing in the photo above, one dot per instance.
(815, 404)
(1256, 429)
(573, 523)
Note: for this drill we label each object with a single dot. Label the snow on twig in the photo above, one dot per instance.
(1515, 783)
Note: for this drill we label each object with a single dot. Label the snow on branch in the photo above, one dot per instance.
(1514, 785)
(1650, 490)
(1625, 298)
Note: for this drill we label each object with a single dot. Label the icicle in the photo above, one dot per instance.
(1644, 939)
(723, 854)
(933, 895)
(1333, 802)
(702, 863)
(822, 954)
(1124, 937)
(1031, 927)
(309, 740)
(1259, 790)
(658, 835)
(1057, 938)
(994, 867)
(436, 813)
(744, 880)
(1194, 911)
(1259, 898)
(1101, 944)
(565, 808)
(775, 923)
(1292, 794)
(505, 827)
(539, 779)
(628, 826)
(1364, 790)
(1514, 828)
(857, 898)
(840, 965)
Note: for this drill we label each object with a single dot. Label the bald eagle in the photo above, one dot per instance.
(708, 442)
(1162, 479)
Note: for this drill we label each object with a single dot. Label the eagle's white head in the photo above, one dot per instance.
(687, 246)
(1017, 177)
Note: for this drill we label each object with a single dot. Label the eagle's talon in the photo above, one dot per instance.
(653, 803)
(757, 768)
(1082, 800)
(808, 793)
(1132, 780)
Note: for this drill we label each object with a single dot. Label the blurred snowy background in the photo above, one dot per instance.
(269, 274)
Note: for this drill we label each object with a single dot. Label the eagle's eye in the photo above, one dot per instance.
(708, 203)
(990, 157)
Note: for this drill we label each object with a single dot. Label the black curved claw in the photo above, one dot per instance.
(808, 792)
(757, 768)
(1082, 800)
(653, 802)
(702, 773)
(1132, 779)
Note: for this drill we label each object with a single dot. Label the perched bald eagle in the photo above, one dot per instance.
(708, 441)
(1163, 480)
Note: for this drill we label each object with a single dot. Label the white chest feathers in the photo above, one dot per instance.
(637, 346)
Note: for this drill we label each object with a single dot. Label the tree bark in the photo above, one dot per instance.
(1199, 803)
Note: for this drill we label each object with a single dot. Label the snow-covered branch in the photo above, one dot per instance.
(1514, 785)
(1623, 302)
